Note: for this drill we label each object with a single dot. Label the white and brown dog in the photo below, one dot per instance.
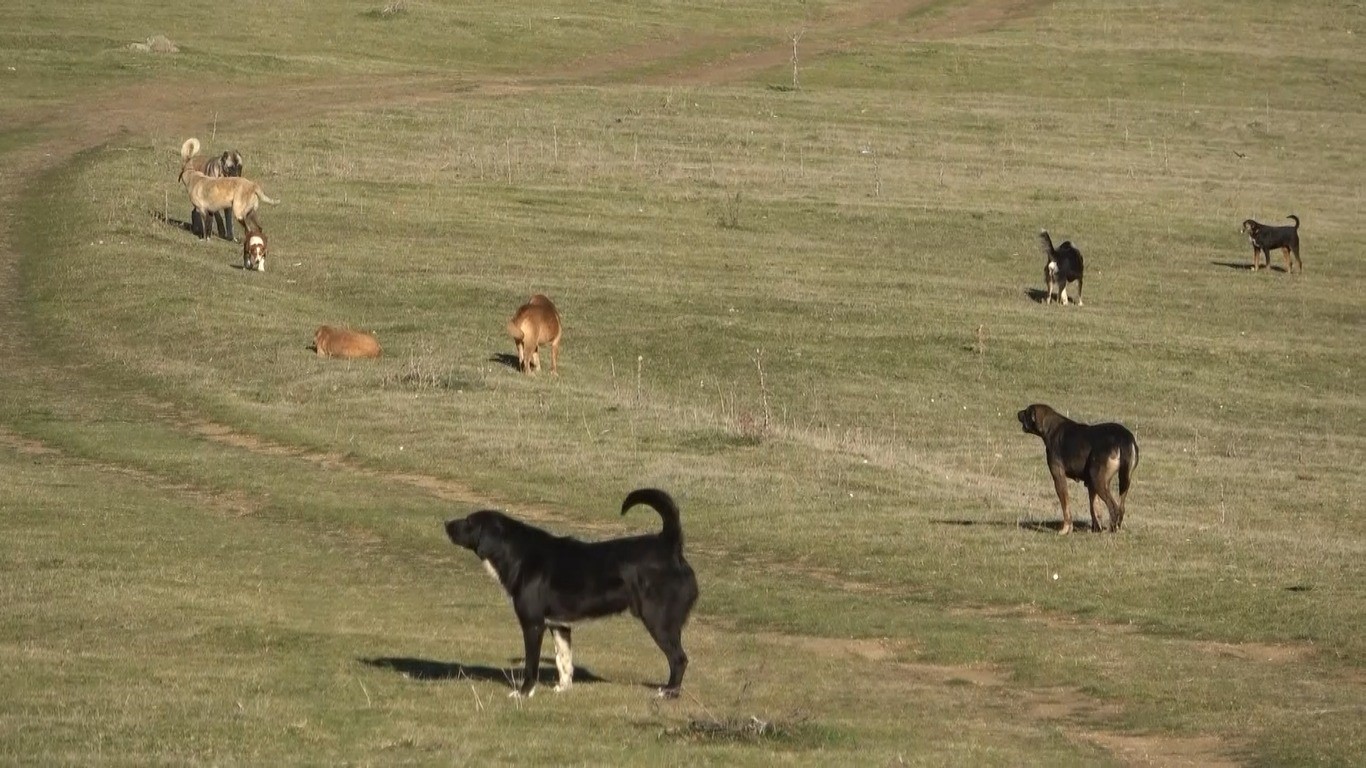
(254, 251)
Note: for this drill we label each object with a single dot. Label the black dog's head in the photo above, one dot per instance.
(479, 531)
(231, 162)
(1029, 419)
(1250, 227)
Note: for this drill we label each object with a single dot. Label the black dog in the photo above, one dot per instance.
(1093, 454)
(1064, 265)
(1266, 239)
(554, 581)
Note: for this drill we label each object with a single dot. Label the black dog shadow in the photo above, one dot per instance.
(506, 359)
(1038, 526)
(1243, 265)
(1037, 295)
(428, 670)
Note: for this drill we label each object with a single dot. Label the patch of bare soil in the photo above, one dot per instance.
(1163, 751)
(225, 503)
(970, 18)
(446, 490)
(1266, 652)
(868, 649)
(24, 445)
(1271, 653)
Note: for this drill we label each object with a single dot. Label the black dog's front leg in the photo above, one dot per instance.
(225, 222)
(532, 634)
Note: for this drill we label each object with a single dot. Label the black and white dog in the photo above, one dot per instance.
(554, 581)
(1064, 265)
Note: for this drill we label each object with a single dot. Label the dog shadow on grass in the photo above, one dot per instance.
(429, 670)
(1038, 526)
(1244, 266)
(1038, 296)
(504, 358)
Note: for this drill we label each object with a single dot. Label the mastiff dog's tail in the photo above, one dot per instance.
(1128, 462)
(664, 504)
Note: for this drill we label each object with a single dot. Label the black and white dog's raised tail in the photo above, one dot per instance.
(554, 581)
(1064, 266)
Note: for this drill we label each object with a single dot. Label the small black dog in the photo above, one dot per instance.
(1091, 453)
(1266, 239)
(1064, 265)
(554, 581)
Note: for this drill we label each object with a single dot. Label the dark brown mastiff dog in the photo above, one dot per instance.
(1093, 454)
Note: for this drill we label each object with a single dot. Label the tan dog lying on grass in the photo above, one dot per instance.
(238, 196)
(331, 341)
(537, 322)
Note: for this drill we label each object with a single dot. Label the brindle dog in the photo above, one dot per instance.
(1093, 454)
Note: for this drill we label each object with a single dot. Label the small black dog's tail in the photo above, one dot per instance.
(1297, 221)
(1046, 245)
(664, 504)
(1128, 462)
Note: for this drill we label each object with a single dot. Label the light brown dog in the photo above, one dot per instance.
(241, 197)
(254, 251)
(537, 322)
(331, 341)
(228, 163)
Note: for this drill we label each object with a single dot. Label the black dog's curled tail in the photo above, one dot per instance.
(662, 503)
(1296, 218)
(1046, 244)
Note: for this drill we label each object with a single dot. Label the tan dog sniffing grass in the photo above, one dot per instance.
(212, 195)
(344, 343)
(537, 322)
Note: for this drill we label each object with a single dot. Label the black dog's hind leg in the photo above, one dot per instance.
(532, 633)
(227, 224)
(667, 632)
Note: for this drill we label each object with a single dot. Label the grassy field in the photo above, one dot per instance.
(810, 313)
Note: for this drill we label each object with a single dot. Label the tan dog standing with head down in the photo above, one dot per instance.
(537, 322)
(344, 343)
